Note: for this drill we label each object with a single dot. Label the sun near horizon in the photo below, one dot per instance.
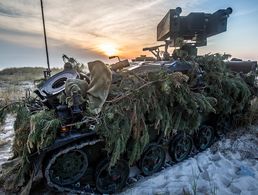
(109, 49)
(90, 30)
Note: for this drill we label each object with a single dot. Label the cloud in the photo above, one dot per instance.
(87, 24)
(29, 39)
(7, 12)
(10, 9)
(80, 27)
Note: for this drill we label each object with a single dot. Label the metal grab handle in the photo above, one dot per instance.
(112, 57)
(70, 60)
(65, 58)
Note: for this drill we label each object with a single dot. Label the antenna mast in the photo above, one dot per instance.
(46, 72)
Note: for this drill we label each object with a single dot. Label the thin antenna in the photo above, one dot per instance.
(47, 72)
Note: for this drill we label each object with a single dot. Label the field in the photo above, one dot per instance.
(15, 75)
(15, 81)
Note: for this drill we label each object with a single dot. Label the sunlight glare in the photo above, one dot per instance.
(108, 49)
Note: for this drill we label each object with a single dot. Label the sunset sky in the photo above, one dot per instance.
(93, 29)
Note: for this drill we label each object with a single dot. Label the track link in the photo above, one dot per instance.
(73, 188)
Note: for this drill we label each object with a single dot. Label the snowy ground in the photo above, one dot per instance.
(6, 139)
(230, 166)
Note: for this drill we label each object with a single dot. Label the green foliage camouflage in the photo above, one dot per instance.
(232, 92)
(32, 133)
(159, 100)
(43, 129)
(21, 130)
(137, 107)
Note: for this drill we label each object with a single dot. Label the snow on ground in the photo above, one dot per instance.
(6, 139)
(230, 166)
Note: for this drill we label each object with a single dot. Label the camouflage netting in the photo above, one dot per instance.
(136, 107)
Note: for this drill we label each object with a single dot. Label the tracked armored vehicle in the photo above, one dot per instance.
(94, 152)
